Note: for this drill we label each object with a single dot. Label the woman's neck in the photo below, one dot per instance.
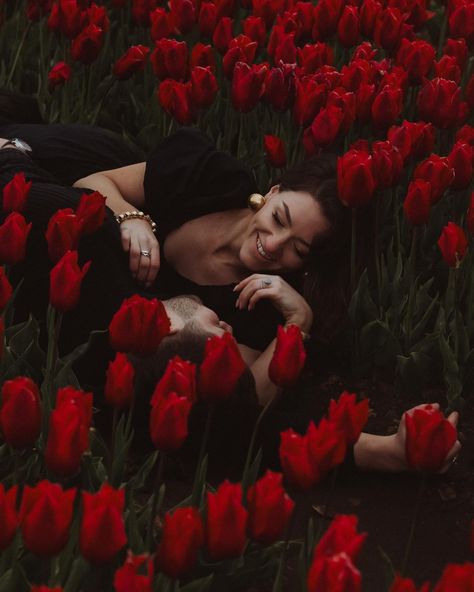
(230, 236)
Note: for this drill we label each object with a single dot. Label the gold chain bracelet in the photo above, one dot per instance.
(136, 214)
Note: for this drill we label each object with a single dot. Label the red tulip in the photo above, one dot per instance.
(310, 97)
(341, 537)
(63, 233)
(447, 67)
(59, 74)
(15, 193)
(68, 435)
(416, 57)
(182, 537)
(312, 57)
(86, 47)
(182, 15)
(65, 282)
(20, 412)
(160, 24)
(268, 10)
(139, 326)
(368, 15)
(91, 211)
(388, 28)
(175, 99)
(45, 517)
(417, 204)
(223, 34)
(102, 533)
(221, 368)
(226, 522)
(204, 56)
(118, 390)
(35, 9)
(203, 87)
(359, 71)
(470, 215)
(461, 159)
(413, 139)
(280, 87)
(97, 15)
(169, 421)
(67, 17)
(452, 244)
(285, 48)
(207, 21)
(5, 289)
(247, 86)
(13, 235)
(407, 585)
(295, 460)
(457, 48)
(388, 164)
(254, 27)
(275, 151)
(466, 134)
(461, 22)
(336, 573)
(387, 106)
(348, 28)
(348, 416)
(128, 578)
(270, 509)
(456, 577)
(288, 358)
(439, 101)
(169, 59)
(132, 61)
(429, 438)
(180, 378)
(355, 178)
(438, 171)
(8, 515)
(326, 17)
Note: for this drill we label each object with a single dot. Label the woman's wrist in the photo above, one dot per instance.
(379, 453)
(303, 320)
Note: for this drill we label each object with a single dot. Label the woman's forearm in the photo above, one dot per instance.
(379, 453)
(114, 199)
(265, 388)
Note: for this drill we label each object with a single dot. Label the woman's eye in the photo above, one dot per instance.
(277, 219)
(300, 254)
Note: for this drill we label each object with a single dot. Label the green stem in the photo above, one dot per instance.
(17, 55)
(377, 255)
(113, 439)
(277, 585)
(327, 499)
(353, 249)
(442, 34)
(412, 291)
(96, 112)
(421, 491)
(54, 326)
(196, 495)
(154, 503)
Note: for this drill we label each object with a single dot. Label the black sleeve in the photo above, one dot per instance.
(187, 177)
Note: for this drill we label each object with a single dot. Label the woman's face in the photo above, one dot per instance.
(280, 234)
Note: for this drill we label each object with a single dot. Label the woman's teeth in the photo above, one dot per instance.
(261, 250)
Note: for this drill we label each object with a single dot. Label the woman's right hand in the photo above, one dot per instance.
(137, 237)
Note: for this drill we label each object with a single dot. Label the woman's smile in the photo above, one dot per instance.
(261, 251)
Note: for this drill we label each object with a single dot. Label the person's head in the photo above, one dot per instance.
(301, 216)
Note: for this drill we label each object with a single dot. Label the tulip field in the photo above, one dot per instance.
(386, 85)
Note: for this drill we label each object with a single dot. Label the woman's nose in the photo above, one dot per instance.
(275, 243)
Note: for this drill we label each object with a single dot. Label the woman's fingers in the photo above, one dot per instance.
(134, 256)
(154, 265)
(125, 238)
(255, 285)
(453, 418)
(241, 285)
(451, 457)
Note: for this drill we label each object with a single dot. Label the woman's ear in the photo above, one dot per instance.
(273, 190)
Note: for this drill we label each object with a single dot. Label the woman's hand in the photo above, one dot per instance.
(138, 238)
(286, 299)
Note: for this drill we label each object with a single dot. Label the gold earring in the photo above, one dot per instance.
(256, 201)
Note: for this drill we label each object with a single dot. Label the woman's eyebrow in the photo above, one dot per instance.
(288, 218)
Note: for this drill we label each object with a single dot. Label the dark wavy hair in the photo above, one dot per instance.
(326, 275)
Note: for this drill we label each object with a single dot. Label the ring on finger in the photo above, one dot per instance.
(454, 460)
(145, 253)
(265, 283)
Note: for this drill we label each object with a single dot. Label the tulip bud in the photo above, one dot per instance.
(13, 235)
(91, 211)
(65, 282)
(341, 537)
(203, 87)
(59, 74)
(461, 159)
(160, 24)
(180, 378)
(118, 389)
(288, 358)
(86, 47)
(132, 61)
(169, 421)
(275, 151)
(417, 204)
(407, 585)
(348, 28)
(355, 178)
(20, 412)
(439, 102)
(438, 171)
(15, 193)
(175, 98)
(452, 244)
(338, 570)
(5, 289)
(128, 578)
(348, 416)
(169, 59)
(63, 233)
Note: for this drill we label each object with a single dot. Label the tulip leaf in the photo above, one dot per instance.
(14, 580)
(450, 373)
(9, 309)
(26, 334)
(388, 567)
(252, 472)
(378, 344)
(201, 585)
(141, 476)
(420, 327)
(362, 308)
(123, 442)
(135, 540)
(80, 568)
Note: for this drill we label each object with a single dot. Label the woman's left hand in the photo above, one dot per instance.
(286, 299)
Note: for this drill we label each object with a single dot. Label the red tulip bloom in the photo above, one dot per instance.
(288, 358)
(312, 56)
(461, 159)
(8, 515)
(348, 27)
(132, 61)
(407, 585)
(470, 215)
(413, 139)
(452, 244)
(254, 27)
(466, 134)
(358, 71)
(35, 9)
(169, 421)
(182, 537)
(20, 412)
(295, 460)
(13, 235)
(204, 56)
(45, 517)
(280, 87)
(310, 97)
(128, 578)
(169, 59)
(207, 21)
(388, 164)
(457, 48)
(102, 533)
(326, 125)
(15, 193)
(226, 522)
(416, 57)
(118, 389)
(66, 17)
(182, 15)
(139, 326)
(447, 67)
(97, 15)
(180, 378)
(355, 178)
(268, 10)
(68, 435)
(203, 87)
(341, 537)
(65, 281)
(461, 22)
(247, 86)
(175, 98)
(387, 106)
(221, 369)
(223, 34)
(275, 151)
(326, 17)
(456, 577)
(160, 24)
(429, 438)
(241, 49)
(439, 101)
(336, 573)
(349, 417)
(368, 15)
(86, 47)
(5, 289)
(417, 204)
(438, 171)
(59, 74)
(388, 28)
(91, 211)
(270, 509)
(63, 233)
(141, 10)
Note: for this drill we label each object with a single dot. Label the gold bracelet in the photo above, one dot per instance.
(136, 214)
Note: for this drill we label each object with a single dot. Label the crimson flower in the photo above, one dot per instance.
(417, 204)
(355, 178)
(275, 151)
(341, 537)
(20, 412)
(207, 21)
(348, 27)
(180, 378)
(203, 87)
(13, 236)
(288, 358)
(438, 171)
(169, 59)
(416, 57)
(247, 86)
(63, 233)
(407, 585)
(15, 193)
(456, 577)
(160, 24)
(128, 578)
(349, 417)
(452, 244)
(461, 159)
(175, 98)
(439, 101)
(132, 61)
(169, 421)
(8, 515)
(65, 281)
(59, 74)
(118, 390)
(336, 573)
(85, 48)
